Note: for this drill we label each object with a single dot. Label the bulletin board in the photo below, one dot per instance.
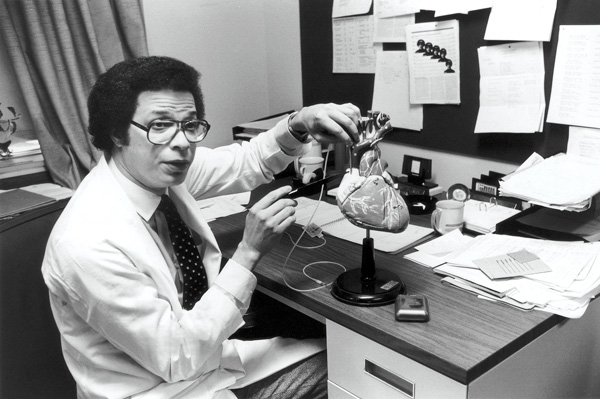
(446, 128)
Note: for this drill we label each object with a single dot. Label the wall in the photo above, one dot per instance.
(447, 168)
(249, 55)
(248, 52)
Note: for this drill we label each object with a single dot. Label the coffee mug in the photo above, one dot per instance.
(315, 151)
(308, 166)
(447, 216)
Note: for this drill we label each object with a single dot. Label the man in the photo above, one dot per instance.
(119, 289)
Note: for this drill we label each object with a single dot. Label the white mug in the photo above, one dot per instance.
(447, 216)
(315, 151)
(308, 165)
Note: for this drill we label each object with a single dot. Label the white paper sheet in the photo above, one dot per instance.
(344, 8)
(391, 30)
(529, 20)
(511, 97)
(353, 49)
(575, 98)
(390, 92)
(448, 7)
(434, 77)
(584, 142)
(394, 8)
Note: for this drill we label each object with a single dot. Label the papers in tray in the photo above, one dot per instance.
(563, 182)
(332, 222)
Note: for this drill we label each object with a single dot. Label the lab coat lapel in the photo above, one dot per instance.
(149, 257)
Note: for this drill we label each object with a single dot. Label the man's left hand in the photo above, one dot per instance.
(329, 123)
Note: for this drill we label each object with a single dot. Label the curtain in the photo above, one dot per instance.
(58, 48)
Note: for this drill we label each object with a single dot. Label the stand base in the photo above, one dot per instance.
(382, 290)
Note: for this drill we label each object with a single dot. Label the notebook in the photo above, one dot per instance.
(16, 201)
(482, 217)
(332, 222)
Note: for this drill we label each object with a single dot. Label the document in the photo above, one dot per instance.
(394, 8)
(447, 7)
(529, 20)
(390, 91)
(353, 49)
(344, 8)
(224, 205)
(507, 265)
(511, 97)
(392, 29)
(575, 98)
(584, 142)
(434, 62)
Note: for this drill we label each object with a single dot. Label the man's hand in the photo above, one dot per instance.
(265, 223)
(329, 123)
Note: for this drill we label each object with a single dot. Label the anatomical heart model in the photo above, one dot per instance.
(366, 195)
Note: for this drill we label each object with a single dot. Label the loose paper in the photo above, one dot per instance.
(344, 8)
(390, 92)
(529, 20)
(353, 49)
(521, 263)
(434, 62)
(575, 98)
(511, 88)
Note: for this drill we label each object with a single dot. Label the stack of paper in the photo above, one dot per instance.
(564, 182)
(568, 276)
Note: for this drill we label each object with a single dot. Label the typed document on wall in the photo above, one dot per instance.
(575, 98)
(434, 62)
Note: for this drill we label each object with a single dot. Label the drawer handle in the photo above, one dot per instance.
(393, 380)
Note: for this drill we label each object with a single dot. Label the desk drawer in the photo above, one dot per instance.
(369, 370)
(335, 392)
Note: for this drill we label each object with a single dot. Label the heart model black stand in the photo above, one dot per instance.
(367, 286)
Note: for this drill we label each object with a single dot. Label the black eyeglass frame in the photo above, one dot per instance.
(179, 127)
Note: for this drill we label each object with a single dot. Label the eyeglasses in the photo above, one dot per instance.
(162, 131)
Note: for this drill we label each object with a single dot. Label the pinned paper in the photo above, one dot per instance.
(520, 263)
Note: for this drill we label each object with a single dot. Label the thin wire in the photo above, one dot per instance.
(321, 283)
(324, 241)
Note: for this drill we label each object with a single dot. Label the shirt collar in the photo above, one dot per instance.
(144, 201)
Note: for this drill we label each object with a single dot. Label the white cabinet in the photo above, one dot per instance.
(359, 367)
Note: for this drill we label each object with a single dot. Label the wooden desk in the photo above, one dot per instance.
(470, 348)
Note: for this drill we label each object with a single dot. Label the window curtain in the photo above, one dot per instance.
(58, 48)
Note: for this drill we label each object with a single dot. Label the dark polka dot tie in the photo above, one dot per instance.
(195, 282)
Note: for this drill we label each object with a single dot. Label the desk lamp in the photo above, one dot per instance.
(368, 199)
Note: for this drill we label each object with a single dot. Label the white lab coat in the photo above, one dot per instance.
(123, 330)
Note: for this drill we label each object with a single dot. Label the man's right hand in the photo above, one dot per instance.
(267, 220)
